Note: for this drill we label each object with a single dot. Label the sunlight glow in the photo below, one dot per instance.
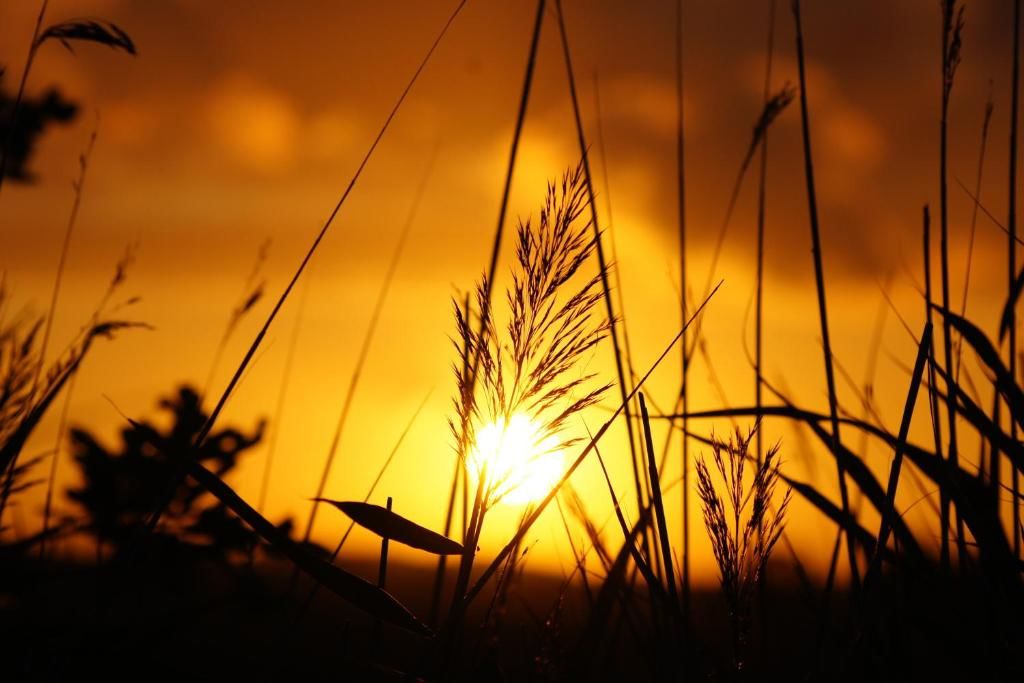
(521, 466)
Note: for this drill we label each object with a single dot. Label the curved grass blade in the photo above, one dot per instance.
(351, 588)
(988, 354)
(1011, 303)
(391, 525)
(90, 31)
(844, 520)
(901, 444)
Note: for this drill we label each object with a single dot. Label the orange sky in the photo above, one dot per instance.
(243, 121)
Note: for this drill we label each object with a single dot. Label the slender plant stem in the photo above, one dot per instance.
(51, 481)
(442, 560)
(761, 201)
(282, 395)
(819, 278)
(759, 299)
(292, 629)
(204, 432)
(885, 527)
(642, 487)
(684, 387)
(947, 331)
(933, 399)
(974, 225)
(78, 186)
(454, 622)
(367, 344)
(1011, 223)
(612, 229)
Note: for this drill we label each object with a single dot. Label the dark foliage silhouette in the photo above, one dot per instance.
(120, 484)
(33, 117)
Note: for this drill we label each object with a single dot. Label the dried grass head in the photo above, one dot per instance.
(552, 324)
(741, 524)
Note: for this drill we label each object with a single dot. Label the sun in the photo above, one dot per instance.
(522, 465)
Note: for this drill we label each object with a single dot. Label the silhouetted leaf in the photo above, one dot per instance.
(89, 30)
(840, 518)
(355, 590)
(388, 524)
(988, 354)
(901, 445)
(1011, 304)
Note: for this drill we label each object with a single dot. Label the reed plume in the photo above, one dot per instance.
(529, 372)
(733, 522)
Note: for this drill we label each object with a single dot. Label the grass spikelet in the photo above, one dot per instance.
(548, 330)
(732, 522)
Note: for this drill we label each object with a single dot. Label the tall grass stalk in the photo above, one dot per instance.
(612, 229)
(684, 355)
(659, 506)
(77, 187)
(282, 396)
(1011, 222)
(458, 476)
(885, 526)
(761, 202)
(952, 26)
(204, 432)
(974, 223)
(933, 397)
(643, 488)
(819, 279)
(468, 388)
(762, 184)
(364, 349)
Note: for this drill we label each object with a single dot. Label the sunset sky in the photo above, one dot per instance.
(242, 122)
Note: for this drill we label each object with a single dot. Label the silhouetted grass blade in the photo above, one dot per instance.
(845, 520)
(10, 449)
(349, 587)
(989, 355)
(1005, 321)
(89, 30)
(388, 524)
(901, 444)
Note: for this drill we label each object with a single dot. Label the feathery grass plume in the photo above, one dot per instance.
(952, 29)
(732, 524)
(17, 368)
(548, 333)
(26, 393)
(89, 30)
